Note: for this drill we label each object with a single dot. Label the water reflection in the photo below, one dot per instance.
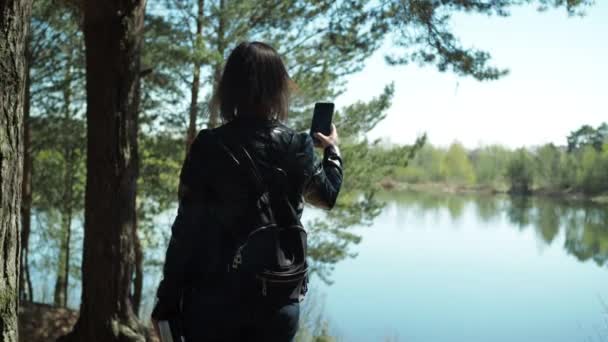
(580, 229)
(584, 224)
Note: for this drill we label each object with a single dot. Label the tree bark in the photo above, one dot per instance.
(25, 282)
(14, 20)
(113, 37)
(61, 285)
(63, 266)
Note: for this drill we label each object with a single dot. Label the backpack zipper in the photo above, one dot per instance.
(238, 258)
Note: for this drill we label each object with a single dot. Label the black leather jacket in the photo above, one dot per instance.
(213, 193)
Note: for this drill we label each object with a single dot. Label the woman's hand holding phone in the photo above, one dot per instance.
(327, 140)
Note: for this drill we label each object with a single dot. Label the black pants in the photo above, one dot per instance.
(219, 316)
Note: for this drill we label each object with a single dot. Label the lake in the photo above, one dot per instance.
(473, 268)
(451, 268)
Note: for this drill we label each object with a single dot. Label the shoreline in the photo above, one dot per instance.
(458, 189)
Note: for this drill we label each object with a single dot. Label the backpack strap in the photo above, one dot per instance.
(242, 158)
(248, 165)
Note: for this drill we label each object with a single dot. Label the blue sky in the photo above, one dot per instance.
(558, 81)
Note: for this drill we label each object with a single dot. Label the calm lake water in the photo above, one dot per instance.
(474, 268)
(451, 268)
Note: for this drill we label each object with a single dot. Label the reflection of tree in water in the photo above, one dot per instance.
(488, 207)
(547, 220)
(455, 207)
(587, 234)
(423, 203)
(585, 225)
(519, 211)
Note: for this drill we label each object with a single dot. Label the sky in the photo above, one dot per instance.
(557, 82)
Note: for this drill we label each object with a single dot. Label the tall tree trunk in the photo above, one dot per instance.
(217, 68)
(196, 76)
(66, 260)
(25, 282)
(214, 114)
(14, 22)
(61, 283)
(113, 37)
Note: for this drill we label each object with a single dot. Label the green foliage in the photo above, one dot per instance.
(549, 168)
(425, 167)
(421, 31)
(161, 160)
(520, 172)
(592, 175)
(321, 42)
(56, 59)
(433, 164)
(489, 163)
(588, 136)
(366, 164)
(547, 164)
(456, 165)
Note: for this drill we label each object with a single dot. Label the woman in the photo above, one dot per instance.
(252, 99)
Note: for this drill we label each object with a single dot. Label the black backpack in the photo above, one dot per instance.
(271, 245)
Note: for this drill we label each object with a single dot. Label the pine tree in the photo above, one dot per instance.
(113, 33)
(14, 19)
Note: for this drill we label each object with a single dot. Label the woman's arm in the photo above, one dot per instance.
(185, 232)
(323, 179)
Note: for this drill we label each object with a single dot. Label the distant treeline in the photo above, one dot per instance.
(580, 166)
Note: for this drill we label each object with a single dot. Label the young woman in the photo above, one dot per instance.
(198, 285)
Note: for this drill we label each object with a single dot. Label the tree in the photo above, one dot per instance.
(113, 33)
(58, 182)
(602, 135)
(588, 136)
(547, 163)
(592, 177)
(196, 74)
(430, 159)
(456, 165)
(14, 19)
(490, 163)
(330, 238)
(520, 172)
(320, 41)
(54, 141)
(25, 281)
(422, 32)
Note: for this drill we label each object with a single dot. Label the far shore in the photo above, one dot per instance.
(448, 188)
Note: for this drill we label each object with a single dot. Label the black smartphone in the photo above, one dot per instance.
(321, 119)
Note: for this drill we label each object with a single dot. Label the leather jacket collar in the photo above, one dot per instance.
(250, 120)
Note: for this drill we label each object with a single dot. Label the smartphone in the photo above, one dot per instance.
(321, 119)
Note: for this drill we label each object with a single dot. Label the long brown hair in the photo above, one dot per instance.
(254, 83)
